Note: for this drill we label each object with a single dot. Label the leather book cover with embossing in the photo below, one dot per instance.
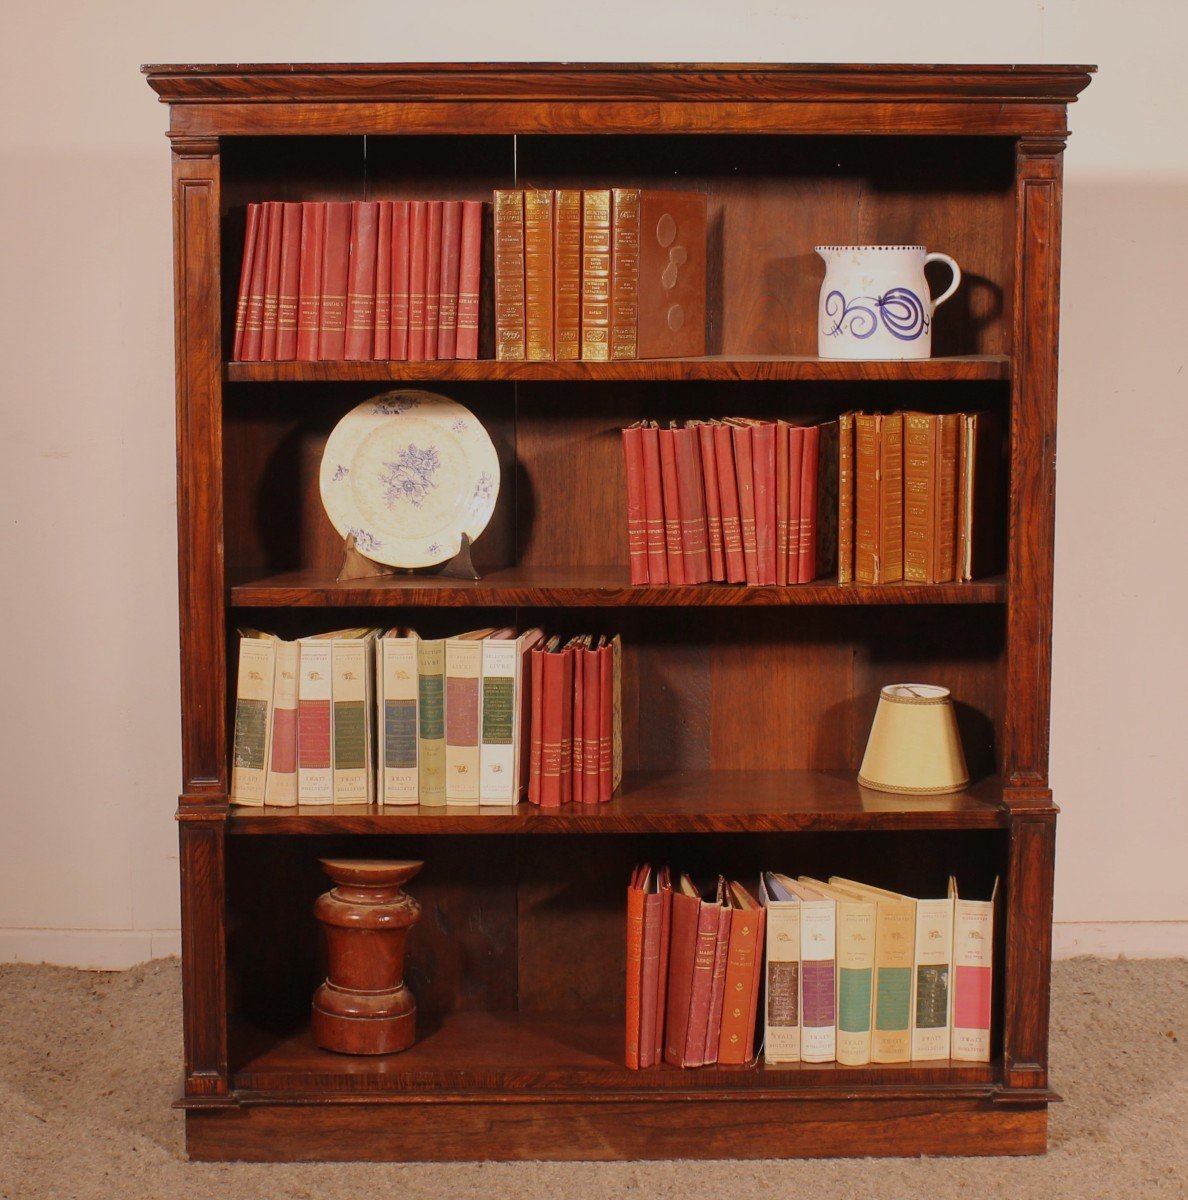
(360, 306)
(654, 505)
(673, 545)
(672, 274)
(435, 212)
(763, 458)
(567, 274)
(509, 275)
(381, 334)
(624, 337)
(418, 276)
(336, 252)
(401, 263)
(845, 499)
(451, 256)
(732, 545)
(745, 474)
(470, 269)
(596, 274)
(538, 274)
(309, 283)
(694, 533)
(713, 499)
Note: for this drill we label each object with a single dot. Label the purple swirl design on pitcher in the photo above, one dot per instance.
(903, 314)
(901, 310)
(862, 320)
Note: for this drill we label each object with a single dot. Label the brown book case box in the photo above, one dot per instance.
(742, 730)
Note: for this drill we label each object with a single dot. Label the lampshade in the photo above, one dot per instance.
(914, 746)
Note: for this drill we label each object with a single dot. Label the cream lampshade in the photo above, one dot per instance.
(914, 746)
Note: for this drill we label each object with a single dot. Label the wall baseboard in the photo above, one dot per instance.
(118, 949)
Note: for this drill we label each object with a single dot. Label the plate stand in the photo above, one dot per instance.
(356, 565)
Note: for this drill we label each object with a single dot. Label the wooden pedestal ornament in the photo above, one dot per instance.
(364, 1007)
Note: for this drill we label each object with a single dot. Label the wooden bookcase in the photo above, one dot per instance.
(745, 710)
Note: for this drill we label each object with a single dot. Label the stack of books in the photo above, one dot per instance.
(364, 279)
(599, 274)
(918, 497)
(360, 715)
(734, 500)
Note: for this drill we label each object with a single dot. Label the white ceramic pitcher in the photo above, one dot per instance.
(875, 301)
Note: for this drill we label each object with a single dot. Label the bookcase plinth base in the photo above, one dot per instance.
(459, 1130)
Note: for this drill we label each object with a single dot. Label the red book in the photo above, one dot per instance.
(591, 723)
(381, 336)
(535, 736)
(713, 501)
(578, 744)
(272, 265)
(745, 475)
(732, 546)
(253, 324)
(360, 308)
(470, 269)
(763, 465)
(552, 750)
(606, 720)
(690, 975)
(657, 912)
(665, 885)
(309, 286)
(806, 570)
(673, 544)
(398, 339)
(713, 1027)
(782, 440)
(691, 498)
(637, 548)
(567, 727)
(336, 251)
(432, 277)
(795, 459)
(418, 268)
(744, 970)
(636, 893)
(245, 277)
(653, 506)
(290, 277)
(451, 257)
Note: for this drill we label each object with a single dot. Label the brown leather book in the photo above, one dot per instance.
(657, 910)
(944, 552)
(732, 546)
(637, 546)
(672, 274)
(673, 544)
(251, 226)
(691, 497)
(381, 333)
(919, 498)
(451, 259)
(891, 498)
(272, 265)
(596, 274)
(979, 523)
(636, 896)
(783, 438)
(309, 283)
(538, 274)
(360, 306)
(591, 723)
(654, 505)
(624, 339)
(435, 211)
(878, 498)
(336, 250)
(401, 264)
(713, 1027)
(509, 275)
(713, 500)
(290, 275)
(845, 499)
(567, 274)
(418, 276)
(690, 975)
(745, 474)
(763, 468)
(806, 542)
(744, 969)
(253, 327)
(470, 269)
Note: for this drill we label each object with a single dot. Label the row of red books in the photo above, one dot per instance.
(576, 743)
(599, 274)
(735, 501)
(364, 279)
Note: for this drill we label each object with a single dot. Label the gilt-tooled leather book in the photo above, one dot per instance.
(401, 264)
(451, 260)
(806, 532)
(713, 1027)
(253, 329)
(694, 534)
(336, 249)
(636, 897)
(891, 498)
(596, 274)
(567, 274)
(783, 447)
(980, 528)
(251, 226)
(744, 962)
(654, 526)
(763, 470)
(795, 498)
(637, 546)
(309, 284)
(945, 541)
(732, 545)
(290, 282)
(713, 500)
(470, 266)
(920, 457)
(609, 706)
(578, 722)
(690, 975)
(591, 723)
(360, 306)
(567, 657)
(745, 474)
(878, 504)
(509, 275)
(381, 335)
(845, 499)
(272, 263)
(434, 214)
(673, 543)
(538, 274)
(672, 274)
(624, 339)
(418, 276)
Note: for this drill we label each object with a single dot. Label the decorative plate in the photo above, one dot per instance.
(408, 473)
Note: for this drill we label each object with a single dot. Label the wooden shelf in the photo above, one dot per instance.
(501, 1052)
(665, 802)
(964, 368)
(584, 587)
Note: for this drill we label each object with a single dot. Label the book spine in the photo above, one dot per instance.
(867, 522)
(470, 270)
(713, 1028)
(336, 249)
(624, 316)
(744, 473)
(919, 497)
(781, 1022)
(401, 263)
(578, 744)
(616, 672)
(973, 958)
(381, 334)
(635, 951)
(251, 227)
(662, 979)
(418, 275)
(399, 684)
(796, 440)
(637, 547)
(806, 560)
(535, 724)
(509, 276)
(737, 1037)
(673, 544)
(763, 467)
(463, 705)
(596, 274)
(568, 697)
(591, 724)
(315, 722)
(552, 736)
(966, 426)
(431, 772)
(891, 498)
(931, 977)
(253, 324)
(281, 787)
(653, 912)
(352, 714)
(732, 546)
(701, 988)
(290, 276)
(451, 263)
(567, 274)
(713, 501)
(272, 271)
(654, 527)
(694, 534)
(253, 720)
(433, 252)
(944, 551)
(360, 307)
(497, 748)
(895, 953)
(685, 912)
(783, 448)
(538, 274)
(818, 981)
(309, 285)
(845, 499)
(855, 980)
(606, 723)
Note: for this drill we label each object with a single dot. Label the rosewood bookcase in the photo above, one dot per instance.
(745, 710)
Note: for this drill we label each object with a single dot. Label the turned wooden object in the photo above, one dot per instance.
(363, 1007)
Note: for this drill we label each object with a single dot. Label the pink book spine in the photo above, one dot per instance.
(795, 459)
(398, 329)
(382, 331)
(637, 542)
(360, 305)
(245, 277)
(451, 252)
(309, 286)
(418, 267)
(470, 267)
(433, 277)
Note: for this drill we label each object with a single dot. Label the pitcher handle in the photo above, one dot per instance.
(956, 277)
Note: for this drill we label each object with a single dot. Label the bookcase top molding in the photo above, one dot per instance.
(237, 99)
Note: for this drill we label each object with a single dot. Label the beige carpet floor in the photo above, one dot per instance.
(89, 1063)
